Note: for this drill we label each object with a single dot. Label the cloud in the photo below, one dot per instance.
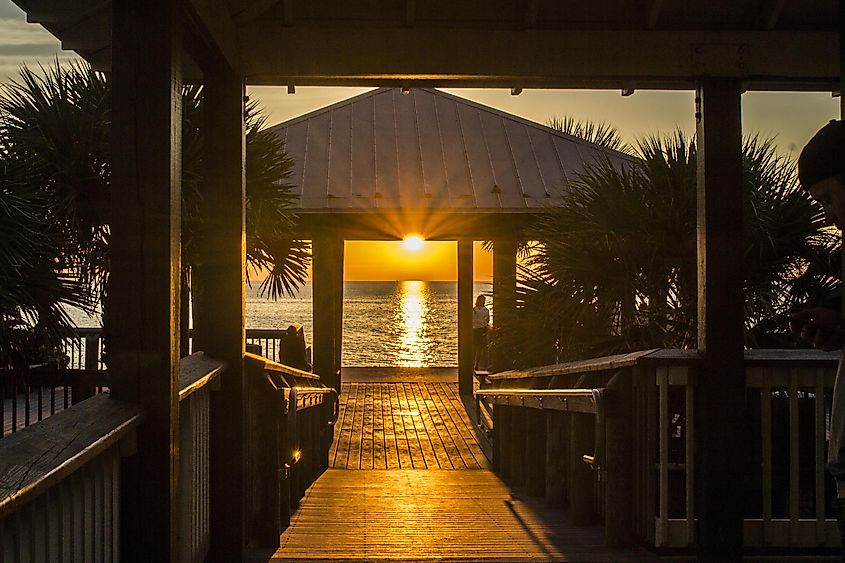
(25, 44)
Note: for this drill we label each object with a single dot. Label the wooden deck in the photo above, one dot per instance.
(435, 514)
(404, 425)
(14, 410)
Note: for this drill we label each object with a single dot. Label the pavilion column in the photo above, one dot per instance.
(337, 303)
(466, 355)
(326, 277)
(720, 385)
(218, 281)
(504, 303)
(145, 264)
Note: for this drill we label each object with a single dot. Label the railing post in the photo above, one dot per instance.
(581, 484)
(502, 449)
(535, 452)
(557, 458)
(617, 462)
(92, 351)
(517, 444)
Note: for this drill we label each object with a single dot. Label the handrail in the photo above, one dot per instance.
(196, 371)
(41, 455)
(665, 356)
(270, 365)
(568, 400)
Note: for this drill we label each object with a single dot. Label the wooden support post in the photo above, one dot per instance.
(337, 303)
(535, 452)
(218, 282)
(501, 440)
(557, 459)
(581, 477)
(465, 344)
(517, 443)
(327, 266)
(618, 515)
(720, 393)
(145, 255)
(504, 303)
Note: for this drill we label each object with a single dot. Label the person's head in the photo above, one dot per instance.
(821, 171)
(480, 301)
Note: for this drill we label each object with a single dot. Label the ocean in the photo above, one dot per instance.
(390, 323)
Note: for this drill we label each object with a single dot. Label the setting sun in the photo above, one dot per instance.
(412, 242)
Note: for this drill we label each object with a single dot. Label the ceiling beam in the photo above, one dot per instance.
(531, 14)
(537, 57)
(252, 10)
(91, 33)
(653, 14)
(61, 12)
(211, 35)
(770, 13)
(410, 12)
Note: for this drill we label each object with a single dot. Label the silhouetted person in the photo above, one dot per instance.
(480, 326)
(821, 171)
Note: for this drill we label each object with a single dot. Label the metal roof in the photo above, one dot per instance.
(429, 150)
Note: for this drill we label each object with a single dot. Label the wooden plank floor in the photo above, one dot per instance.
(404, 425)
(435, 514)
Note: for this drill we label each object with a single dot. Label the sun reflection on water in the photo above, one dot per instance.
(413, 310)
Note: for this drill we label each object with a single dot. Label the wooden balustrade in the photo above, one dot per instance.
(197, 379)
(616, 435)
(60, 478)
(60, 484)
(290, 425)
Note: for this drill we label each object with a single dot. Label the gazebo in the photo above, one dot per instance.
(718, 48)
(395, 161)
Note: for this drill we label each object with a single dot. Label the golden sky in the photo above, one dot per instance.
(392, 260)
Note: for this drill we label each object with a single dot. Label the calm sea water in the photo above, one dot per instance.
(401, 323)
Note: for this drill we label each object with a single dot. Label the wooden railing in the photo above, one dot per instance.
(60, 478)
(29, 396)
(291, 416)
(60, 484)
(612, 438)
(84, 349)
(197, 379)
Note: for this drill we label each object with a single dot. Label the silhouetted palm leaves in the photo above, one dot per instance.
(615, 269)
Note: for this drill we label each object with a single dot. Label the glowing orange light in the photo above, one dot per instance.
(412, 242)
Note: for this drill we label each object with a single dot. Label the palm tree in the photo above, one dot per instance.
(35, 282)
(58, 122)
(616, 267)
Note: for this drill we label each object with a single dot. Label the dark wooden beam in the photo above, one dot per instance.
(273, 54)
(251, 10)
(211, 36)
(89, 33)
(410, 12)
(653, 14)
(466, 356)
(388, 224)
(219, 301)
(504, 302)
(720, 383)
(531, 13)
(142, 310)
(770, 13)
(59, 11)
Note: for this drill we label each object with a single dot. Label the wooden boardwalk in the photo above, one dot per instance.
(435, 514)
(404, 425)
